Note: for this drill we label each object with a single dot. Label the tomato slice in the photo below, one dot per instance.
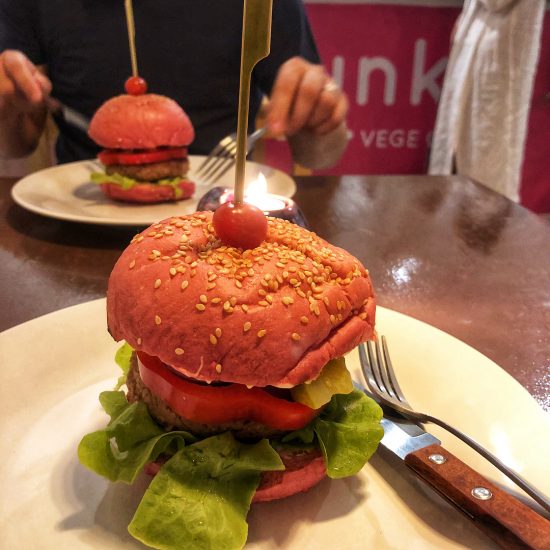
(220, 404)
(112, 156)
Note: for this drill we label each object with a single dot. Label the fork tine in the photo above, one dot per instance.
(223, 164)
(230, 150)
(374, 380)
(220, 170)
(398, 392)
(214, 163)
(223, 144)
(375, 367)
(221, 159)
(214, 166)
(228, 165)
(381, 359)
(210, 158)
(219, 151)
(227, 156)
(366, 367)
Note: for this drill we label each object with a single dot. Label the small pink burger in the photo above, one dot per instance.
(145, 139)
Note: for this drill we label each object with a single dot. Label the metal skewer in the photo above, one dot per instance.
(256, 40)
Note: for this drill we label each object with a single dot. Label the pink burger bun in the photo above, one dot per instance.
(141, 122)
(314, 301)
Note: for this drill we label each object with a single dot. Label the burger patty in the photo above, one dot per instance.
(164, 415)
(151, 172)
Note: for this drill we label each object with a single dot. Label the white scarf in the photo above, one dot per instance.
(482, 117)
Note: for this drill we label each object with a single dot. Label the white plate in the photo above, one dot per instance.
(65, 192)
(54, 367)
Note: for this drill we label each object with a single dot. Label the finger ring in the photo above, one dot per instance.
(330, 86)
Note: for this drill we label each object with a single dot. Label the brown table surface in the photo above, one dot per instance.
(444, 250)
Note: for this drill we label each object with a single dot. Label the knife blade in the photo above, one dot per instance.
(69, 115)
(500, 515)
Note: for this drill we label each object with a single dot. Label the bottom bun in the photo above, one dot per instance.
(148, 192)
(303, 470)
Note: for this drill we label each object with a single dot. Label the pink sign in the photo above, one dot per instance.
(390, 60)
(535, 184)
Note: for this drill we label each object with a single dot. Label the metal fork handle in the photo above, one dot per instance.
(533, 492)
(254, 137)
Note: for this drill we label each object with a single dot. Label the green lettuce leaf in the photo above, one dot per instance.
(201, 496)
(123, 358)
(348, 431)
(131, 440)
(127, 183)
(114, 403)
(102, 177)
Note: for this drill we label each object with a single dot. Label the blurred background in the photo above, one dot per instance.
(390, 58)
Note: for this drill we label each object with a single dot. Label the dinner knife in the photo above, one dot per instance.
(501, 516)
(69, 115)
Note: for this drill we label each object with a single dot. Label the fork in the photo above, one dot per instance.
(222, 157)
(382, 382)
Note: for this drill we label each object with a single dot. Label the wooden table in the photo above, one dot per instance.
(441, 249)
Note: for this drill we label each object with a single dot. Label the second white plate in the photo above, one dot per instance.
(65, 192)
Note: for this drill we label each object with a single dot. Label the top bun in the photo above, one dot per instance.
(272, 315)
(141, 122)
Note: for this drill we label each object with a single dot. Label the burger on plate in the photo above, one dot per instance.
(236, 385)
(145, 139)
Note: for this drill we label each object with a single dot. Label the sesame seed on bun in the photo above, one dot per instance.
(273, 315)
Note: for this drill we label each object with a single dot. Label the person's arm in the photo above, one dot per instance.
(23, 86)
(309, 108)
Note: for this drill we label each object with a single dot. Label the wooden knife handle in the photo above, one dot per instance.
(502, 517)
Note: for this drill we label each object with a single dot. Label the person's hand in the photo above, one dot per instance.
(304, 97)
(22, 85)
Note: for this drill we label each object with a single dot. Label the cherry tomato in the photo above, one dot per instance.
(241, 226)
(220, 404)
(109, 156)
(135, 85)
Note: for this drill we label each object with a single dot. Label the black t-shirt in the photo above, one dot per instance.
(188, 50)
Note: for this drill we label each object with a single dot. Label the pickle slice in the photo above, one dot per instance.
(334, 378)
